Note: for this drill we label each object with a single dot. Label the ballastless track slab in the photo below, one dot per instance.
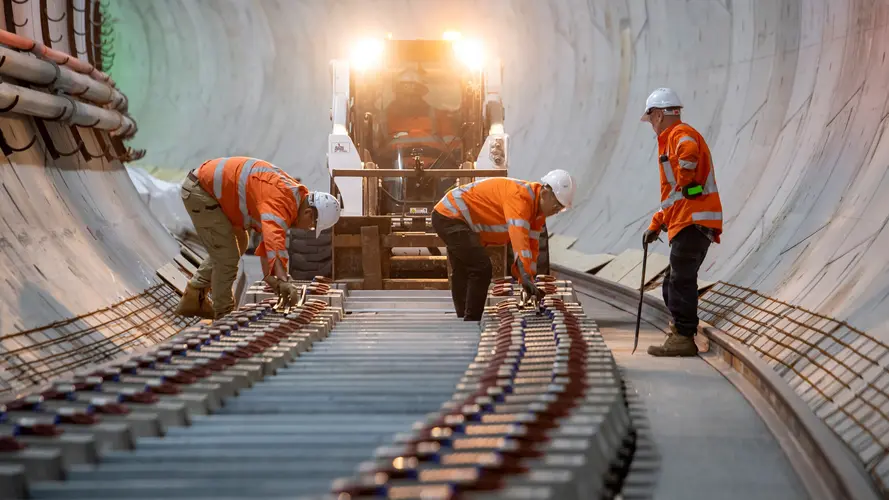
(260, 404)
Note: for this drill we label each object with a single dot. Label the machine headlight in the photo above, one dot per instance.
(471, 53)
(451, 36)
(367, 54)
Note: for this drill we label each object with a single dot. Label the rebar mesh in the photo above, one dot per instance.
(35, 356)
(840, 371)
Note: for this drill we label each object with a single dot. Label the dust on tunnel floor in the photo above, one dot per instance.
(711, 443)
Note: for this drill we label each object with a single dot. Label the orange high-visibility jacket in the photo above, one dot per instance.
(501, 210)
(254, 193)
(688, 160)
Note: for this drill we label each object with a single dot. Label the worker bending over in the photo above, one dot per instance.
(690, 212)
(496, 211)
(224, 197)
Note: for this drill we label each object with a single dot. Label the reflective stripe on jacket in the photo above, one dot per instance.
(254, 193)
(501, 210)
(688, 160)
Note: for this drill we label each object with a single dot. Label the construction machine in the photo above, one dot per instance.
(411, 119)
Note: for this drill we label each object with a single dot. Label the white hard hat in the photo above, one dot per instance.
(563, 186)
(328, 209)
(661, 98)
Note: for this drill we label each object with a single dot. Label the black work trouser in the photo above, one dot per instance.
(688, 249)
(471, 268)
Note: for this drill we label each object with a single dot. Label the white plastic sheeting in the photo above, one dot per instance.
(163, 200)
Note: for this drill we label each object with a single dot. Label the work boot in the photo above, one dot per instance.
(195, 303)
(675, 345)
(206, 305)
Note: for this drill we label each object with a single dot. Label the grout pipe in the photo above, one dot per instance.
(40, 72)
(54, 107)
(24, 43)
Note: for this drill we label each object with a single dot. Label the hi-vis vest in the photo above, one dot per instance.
(501, 210)
(688, 159)
(254, 193)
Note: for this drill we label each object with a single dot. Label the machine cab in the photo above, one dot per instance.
(418, 105)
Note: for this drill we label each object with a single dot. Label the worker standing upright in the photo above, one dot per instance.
(496, 211)
(691, 213)
(224, 197)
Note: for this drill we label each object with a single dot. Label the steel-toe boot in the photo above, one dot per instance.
(195, 302)
(675, 345)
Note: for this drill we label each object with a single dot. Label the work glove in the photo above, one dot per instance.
(531, 290)
(274, 283)
(692, 191)
(288, 294)
(650, 236)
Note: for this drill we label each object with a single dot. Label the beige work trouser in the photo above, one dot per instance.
(220, 269)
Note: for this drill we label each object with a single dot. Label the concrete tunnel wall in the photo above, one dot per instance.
(75, 236)
(790, 94)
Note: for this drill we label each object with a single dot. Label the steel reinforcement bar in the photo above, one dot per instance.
(824, 461)
(255, 405)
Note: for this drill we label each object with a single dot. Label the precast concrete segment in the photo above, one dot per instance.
(789, 94)
(76, 236)
(539, 413)
(291, 433)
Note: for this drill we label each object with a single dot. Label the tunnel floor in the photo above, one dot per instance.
(707, 441)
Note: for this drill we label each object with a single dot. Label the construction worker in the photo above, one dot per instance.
(496, 211)
(224, 197)
(409, 111)
(690, 212)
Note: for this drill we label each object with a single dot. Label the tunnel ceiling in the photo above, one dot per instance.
(790, 94)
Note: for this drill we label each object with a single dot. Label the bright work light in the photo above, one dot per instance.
(471, 53)
(367, 53)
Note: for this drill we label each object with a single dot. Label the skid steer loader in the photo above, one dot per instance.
(411, 119)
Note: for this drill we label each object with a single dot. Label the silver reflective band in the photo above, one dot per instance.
(450, 206)
(296, 197)
(502, 228)
(710, 185)
(527, 187)
(274, 218)
(706, 216)
(535, 235)
(217, 178)
(685, 138)
(519, 223)
(526, 254)
(242, 190)
(271, 254)
(688, 165)
(668, 172)
(673, 198)
(288, 182)
(458, 198)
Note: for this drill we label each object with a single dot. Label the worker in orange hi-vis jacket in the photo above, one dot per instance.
(691, 213)
(496, 211)
(224, 197)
